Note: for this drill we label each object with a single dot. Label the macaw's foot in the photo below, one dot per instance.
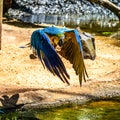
(32, 56)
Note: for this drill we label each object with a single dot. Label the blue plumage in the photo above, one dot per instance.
(41, 42)
(54, 30)
(46, 52)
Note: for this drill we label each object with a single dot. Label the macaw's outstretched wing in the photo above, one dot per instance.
(72, 49)
(47, 55)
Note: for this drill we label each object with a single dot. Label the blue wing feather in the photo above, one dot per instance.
(40, 42)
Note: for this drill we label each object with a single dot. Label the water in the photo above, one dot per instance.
(97, 23)
(73, 20)
(102, 110)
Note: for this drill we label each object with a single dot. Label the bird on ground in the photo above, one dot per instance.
(73, 44)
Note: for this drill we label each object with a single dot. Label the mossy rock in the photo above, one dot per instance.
(116, 35)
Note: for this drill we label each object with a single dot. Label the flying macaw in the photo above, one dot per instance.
(44, 42)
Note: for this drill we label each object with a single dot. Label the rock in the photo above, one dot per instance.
(57, 6)
(116, 35)
(33, 8)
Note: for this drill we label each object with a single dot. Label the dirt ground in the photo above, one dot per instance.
(24, 76)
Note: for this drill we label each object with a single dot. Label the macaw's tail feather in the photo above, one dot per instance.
(48, 56)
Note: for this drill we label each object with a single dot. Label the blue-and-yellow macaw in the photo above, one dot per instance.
(44, 41)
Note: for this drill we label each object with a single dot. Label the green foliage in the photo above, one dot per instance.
(106, 33)
(99, 110)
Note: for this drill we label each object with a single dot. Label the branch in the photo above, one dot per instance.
(109, 5)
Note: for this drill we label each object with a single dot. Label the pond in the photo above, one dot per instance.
(99, 110)
(95, 23)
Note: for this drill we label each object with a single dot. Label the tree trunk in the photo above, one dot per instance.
(109, 5)
(1, 13)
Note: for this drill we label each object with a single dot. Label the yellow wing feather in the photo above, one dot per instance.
(73, 53)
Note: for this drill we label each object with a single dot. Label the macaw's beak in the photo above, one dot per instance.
(89, 51)
(61, 40)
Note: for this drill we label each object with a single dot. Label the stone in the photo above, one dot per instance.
(22, 8)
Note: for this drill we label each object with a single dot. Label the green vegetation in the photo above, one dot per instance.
(100, 110)
(107, 33)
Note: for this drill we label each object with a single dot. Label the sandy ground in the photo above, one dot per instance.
(24, 76)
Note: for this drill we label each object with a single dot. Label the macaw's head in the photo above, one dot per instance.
(57, 39)
(61, 39)
(88, 43)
